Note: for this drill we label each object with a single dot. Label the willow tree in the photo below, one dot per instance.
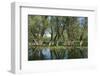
(62, 30)
(37, 26)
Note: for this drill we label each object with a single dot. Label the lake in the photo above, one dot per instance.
(49, 53)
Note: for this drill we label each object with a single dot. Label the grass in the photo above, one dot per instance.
(56, 47)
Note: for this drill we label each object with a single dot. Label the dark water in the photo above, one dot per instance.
(45, 53)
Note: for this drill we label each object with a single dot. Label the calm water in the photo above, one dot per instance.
(37, 53)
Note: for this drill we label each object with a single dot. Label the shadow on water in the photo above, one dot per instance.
(47, 53)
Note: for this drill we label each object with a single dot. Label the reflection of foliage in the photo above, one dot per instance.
(36, 53)
(77, 53)
(58, 53)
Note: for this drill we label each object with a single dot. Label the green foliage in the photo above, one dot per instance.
(57, 30)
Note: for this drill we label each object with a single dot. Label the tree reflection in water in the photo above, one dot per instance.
(46, 53)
